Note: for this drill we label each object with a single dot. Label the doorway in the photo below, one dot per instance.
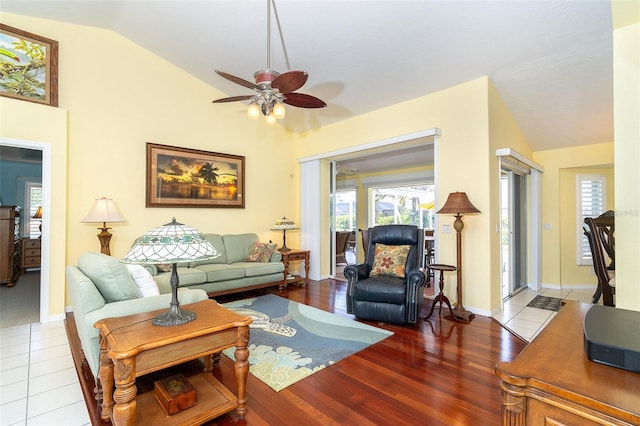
(513, 207)
(44, 153)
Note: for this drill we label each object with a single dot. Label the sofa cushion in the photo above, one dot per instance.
(259, 252)
(186, 277)
(237, 246)
(109, 275)
(389, 260)
(216, 273)
(144, 281)
(216, 241)
(255, 269)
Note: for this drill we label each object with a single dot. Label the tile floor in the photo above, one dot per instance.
(528, 322)
(38, 380)
(39, 385)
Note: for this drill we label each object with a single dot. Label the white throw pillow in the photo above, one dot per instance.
(144, 280)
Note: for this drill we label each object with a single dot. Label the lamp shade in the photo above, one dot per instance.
(38, 213)
(103, 210)
(458, 203)
(284, 224)
(170, 243)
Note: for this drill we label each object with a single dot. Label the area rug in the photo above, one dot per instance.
(545, 302)
(291, 341)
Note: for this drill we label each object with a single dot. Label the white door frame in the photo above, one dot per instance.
(311, 194)
(46, 222)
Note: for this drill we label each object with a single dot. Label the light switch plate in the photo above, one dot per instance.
(446, 229)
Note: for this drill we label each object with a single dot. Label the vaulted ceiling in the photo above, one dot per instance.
(551, 61)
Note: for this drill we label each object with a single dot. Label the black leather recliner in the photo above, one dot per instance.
(385, 298)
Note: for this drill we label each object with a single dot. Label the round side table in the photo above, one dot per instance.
(441, 298)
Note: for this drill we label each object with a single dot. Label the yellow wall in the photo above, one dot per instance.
(120, 96)
(553, 162)
(626, 96)
(503, 133)
(570, 272)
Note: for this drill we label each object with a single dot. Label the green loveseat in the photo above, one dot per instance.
(102, 287)
(228, 273)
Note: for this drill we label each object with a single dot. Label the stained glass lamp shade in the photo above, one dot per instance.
(284, 225)
(171, 243)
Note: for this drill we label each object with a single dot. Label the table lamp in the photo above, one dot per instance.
(284, 225)
(103, 210)
(38, 215)
(458, 204)
(171, 243)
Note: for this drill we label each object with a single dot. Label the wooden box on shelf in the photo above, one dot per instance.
(175, 394)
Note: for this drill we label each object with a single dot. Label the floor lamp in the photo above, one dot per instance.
(458, 204)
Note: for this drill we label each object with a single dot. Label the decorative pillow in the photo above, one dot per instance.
(163, 267)
(389, 260)
(110, 277)
(259, 252)
(144, 280)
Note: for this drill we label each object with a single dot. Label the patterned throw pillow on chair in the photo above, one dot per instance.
(389, 260)
(259, 252)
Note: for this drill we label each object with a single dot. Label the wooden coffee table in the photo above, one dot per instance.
(132, 347)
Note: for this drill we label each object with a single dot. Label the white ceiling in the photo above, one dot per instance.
(551, 61)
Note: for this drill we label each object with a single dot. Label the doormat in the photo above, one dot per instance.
(291, 341)
(545, 302)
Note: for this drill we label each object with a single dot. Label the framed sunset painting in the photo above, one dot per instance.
(184, 177)
(28, 66)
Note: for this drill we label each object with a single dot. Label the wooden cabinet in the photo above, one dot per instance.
(29, 253)
(552, 382)
(9, 245)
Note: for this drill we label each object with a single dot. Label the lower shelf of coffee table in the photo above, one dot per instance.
(212, 400)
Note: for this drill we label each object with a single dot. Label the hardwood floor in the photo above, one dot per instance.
(437, 372)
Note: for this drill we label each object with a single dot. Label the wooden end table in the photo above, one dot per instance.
(131, 346)
(441, 298)
(293, 255)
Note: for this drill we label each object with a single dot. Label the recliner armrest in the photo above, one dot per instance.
(357, 272)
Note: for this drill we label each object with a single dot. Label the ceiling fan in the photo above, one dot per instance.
(272, 88)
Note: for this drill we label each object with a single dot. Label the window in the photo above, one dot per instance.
(33, 200)
(346, 210)
(590, 201)
(409, 205)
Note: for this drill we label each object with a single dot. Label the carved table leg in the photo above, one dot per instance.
(124, 411)
(514, 406)
(105, 375)
(242, 369)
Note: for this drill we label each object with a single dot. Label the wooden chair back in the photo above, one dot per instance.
(599, 263)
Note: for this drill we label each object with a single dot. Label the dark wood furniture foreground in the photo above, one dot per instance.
(9, 245)
(291, 256)
(552, 381)
(132, 346)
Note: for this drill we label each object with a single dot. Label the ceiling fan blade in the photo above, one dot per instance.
(237, 80)
(233, 99)
(301, 100)
(289, 81)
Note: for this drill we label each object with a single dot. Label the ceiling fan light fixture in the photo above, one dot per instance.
(271, 119)
(253, 111)
(279, 110)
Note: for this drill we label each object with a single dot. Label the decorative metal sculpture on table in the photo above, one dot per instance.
(171, 243)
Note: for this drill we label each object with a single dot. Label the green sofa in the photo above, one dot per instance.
(228, 273)
(102, 287)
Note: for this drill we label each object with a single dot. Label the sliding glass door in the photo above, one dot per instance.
(513, 206)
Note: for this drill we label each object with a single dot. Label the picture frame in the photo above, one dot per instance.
(184, 177)
(29, 65)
